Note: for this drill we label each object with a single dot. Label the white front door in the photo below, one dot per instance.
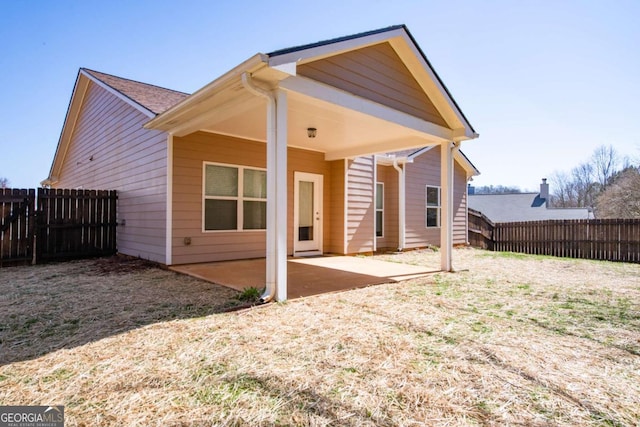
(307, 214)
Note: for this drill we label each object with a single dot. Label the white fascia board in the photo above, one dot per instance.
(387, 160)
(290, 68)
(347, 100)
(119, 95)
(70, 120)
(165, 120)
(420, 152)
(416, 62)
(366, 149)
(331, 49)
(458, 157)
(466, 164)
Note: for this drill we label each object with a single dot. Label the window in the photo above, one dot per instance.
(235, 198)
(432, 208)
(379, 209)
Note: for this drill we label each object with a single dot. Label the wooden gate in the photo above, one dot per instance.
(56, 224)
(17, 225)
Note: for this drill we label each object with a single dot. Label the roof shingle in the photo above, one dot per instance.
(154, 98)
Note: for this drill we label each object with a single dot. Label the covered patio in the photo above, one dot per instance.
(298, 98)
(308, 276)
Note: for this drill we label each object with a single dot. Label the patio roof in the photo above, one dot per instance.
(347, 125)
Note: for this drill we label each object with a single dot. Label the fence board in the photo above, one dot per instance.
(16, 225)
(598, 239)
(56, 224)
(76, 223)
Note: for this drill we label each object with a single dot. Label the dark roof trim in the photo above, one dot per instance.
(335, 40)
(438, 77)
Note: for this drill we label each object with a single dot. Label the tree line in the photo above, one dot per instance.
(607, 183)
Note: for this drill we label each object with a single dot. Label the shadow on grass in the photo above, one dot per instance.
(49, 307)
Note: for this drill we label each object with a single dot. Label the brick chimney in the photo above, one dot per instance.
(544, 191)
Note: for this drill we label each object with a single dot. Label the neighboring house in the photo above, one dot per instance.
(197, 182)
(523, 206)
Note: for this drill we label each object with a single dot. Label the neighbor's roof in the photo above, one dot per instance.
(154, 98)
(521, 207)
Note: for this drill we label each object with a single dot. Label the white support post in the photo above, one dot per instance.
(446, 205)
(272, 202)
(402, 209)
(281, 195)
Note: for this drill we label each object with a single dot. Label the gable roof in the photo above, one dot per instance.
(171, 110)
(156, 99)
(407, 156)
(150, 100)
(381, 31)
(522, 207)
(210, 104)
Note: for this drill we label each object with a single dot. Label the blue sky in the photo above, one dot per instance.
(543, 82)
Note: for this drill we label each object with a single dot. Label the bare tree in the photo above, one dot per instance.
(581, 187)
(564, 190)
(621, 199)
(606, 162)
(4, 182)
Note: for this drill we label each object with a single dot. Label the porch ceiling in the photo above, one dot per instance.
(342, 131)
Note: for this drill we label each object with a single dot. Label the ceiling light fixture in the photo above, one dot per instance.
(311, 132)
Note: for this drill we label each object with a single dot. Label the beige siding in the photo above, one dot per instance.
(460, 232)
(376, 73)
(189, 154)
(336, 209)
(425, 170)
(109, 149)
(360, 205)
(389, 177)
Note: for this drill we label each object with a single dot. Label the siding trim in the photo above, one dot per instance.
(375, 180)
(169, 232)
(346, 207)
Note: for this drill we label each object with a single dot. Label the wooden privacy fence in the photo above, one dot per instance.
(56, 224)
(480, 230)
(598, 239)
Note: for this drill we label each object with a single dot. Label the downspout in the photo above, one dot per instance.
(270, 285)
(401, 205)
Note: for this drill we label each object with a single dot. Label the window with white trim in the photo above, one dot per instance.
(432, 206)
(379, 209)
(235, 198)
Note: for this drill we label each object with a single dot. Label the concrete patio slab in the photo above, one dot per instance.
(307, 276)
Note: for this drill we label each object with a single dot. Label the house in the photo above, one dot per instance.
(342, 146)
(518, 207)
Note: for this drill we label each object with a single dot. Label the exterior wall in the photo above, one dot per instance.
(360, 205)
(336, 243)
(376, 73)
(189, 154)
(389, 176)
(460, 229)
(110, 150)
(425, 170)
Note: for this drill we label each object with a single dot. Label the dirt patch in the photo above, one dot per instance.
(507, 340)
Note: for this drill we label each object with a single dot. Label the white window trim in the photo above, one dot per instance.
(381, 236)
(239, 198)
(439, 207)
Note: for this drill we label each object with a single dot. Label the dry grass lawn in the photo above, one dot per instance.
(507, 340)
